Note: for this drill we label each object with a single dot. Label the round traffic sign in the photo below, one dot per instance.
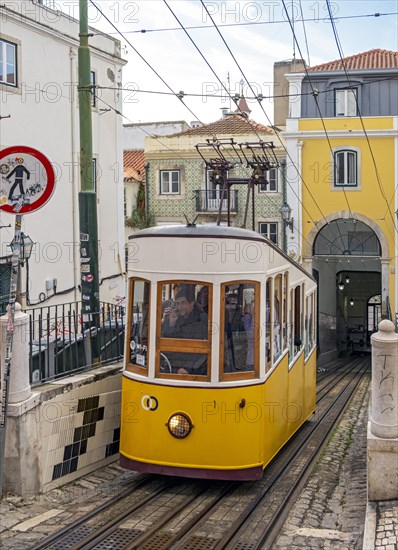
(27, 179)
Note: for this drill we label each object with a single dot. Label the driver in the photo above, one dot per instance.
(186, 320)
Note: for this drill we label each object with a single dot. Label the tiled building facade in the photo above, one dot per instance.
(179, 186)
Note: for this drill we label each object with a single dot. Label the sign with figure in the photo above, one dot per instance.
(27, 179)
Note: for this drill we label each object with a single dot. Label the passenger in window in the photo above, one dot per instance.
(234, 312)
(203, 298)
(186, 319)
(248, 324)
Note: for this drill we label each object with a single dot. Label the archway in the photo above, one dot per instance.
(346, 247)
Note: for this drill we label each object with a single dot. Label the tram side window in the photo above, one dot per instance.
(183, 313)
(277, 317)
(297, 319)
(240, 332)
(268, 324)
(139, 324)
(285, 317)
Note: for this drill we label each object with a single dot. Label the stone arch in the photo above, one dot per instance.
(346, 214)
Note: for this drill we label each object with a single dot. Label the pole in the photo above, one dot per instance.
(5, 390)
(87, 195)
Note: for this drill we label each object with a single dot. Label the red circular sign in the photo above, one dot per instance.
(27, 179)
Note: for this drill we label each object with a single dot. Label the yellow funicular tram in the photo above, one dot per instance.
(220, 360)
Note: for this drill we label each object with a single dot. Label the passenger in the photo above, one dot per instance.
(203, 298)
(186, 319)
(234, 312)
(248, 324)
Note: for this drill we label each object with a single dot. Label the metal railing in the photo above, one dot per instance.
(60, 344)
(208, 200)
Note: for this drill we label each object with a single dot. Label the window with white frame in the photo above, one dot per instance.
(8, 63)
(345, 168)
(272, 178)
(269, 230)
(346, 102)
(169, 182)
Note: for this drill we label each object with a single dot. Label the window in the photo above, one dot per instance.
(345, 169)
(346, 102)
(272, 178)
(93, 82)
(169, 182)
(269, 230)
(8, 63)
(277, 320)
(138, 327)
(183, 317)
(240, 333)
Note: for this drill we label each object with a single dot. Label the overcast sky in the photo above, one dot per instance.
(255, 46)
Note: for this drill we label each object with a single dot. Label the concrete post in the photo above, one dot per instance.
(384, 412)
(19, 372)
(383, 424)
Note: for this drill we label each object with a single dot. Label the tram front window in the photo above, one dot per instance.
(184, 329)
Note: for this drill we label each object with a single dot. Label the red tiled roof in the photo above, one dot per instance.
(230, 125)
(133, 164)
(373, 59)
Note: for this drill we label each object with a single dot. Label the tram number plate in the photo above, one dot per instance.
(140, 359)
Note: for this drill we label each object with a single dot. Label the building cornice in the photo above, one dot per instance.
(47, 30)
(320, 134)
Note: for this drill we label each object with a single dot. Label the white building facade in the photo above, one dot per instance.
(39, 109)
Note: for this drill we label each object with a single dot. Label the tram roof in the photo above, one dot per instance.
(214, 231)
(198, 231)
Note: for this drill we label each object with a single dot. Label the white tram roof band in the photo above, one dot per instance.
(213, 231)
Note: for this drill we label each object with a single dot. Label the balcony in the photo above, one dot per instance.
(209, 201)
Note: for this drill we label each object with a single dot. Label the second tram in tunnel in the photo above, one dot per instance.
(220, 361)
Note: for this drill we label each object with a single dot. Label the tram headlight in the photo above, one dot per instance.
(179, 425)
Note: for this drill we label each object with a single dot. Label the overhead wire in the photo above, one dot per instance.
(253, 23)
(245, 119)
(222, 96)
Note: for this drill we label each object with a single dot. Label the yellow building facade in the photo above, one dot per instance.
(342, 143)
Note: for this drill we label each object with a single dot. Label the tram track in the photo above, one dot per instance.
(190, 517)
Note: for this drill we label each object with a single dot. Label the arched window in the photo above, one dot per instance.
(345, 168)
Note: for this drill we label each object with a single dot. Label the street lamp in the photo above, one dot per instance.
(25, 251)
(286, 211)
(26, 246)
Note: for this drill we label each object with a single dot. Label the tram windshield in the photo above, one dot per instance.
(184, 329)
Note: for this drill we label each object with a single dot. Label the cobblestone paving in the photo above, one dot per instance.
(387, 526)
(330, 511)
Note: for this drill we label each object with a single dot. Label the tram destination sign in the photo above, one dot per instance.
(27, 180)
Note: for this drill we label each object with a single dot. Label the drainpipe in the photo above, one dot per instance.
(146, 166)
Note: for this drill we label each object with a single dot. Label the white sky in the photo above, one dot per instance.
(256, 47)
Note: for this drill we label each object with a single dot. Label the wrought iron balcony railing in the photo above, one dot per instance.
(208, 200)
